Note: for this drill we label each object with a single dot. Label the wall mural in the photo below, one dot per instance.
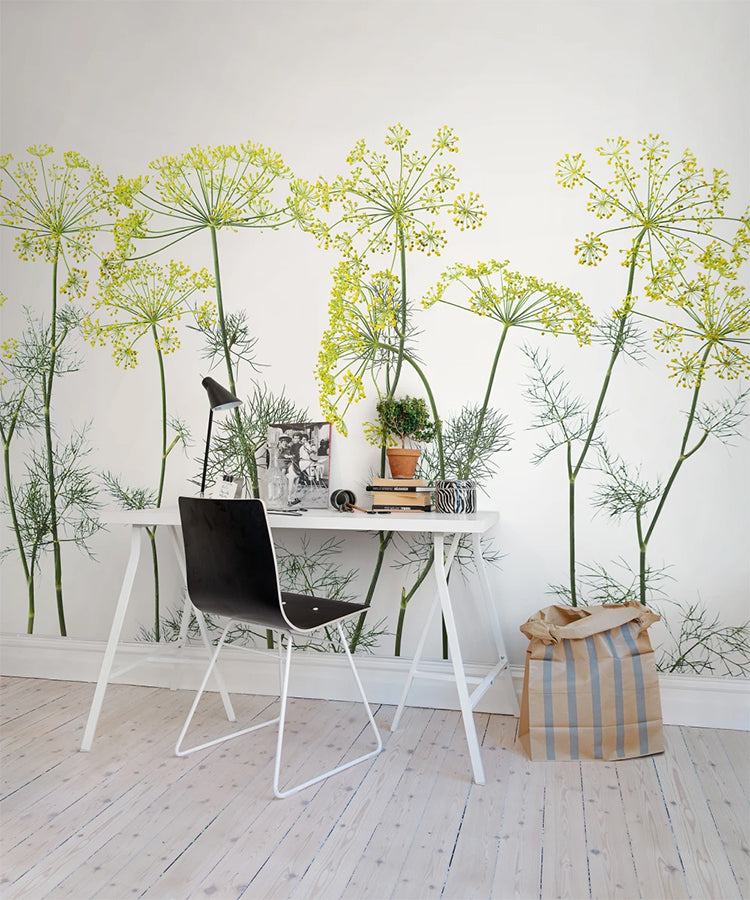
(681, 254)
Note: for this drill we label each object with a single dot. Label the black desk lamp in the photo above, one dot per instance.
(219, 399)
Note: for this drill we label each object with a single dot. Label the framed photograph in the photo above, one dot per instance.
(298, 466)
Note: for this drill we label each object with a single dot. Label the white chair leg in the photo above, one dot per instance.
(282, 717)
(178, 746)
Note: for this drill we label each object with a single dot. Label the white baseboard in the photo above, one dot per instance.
(703, 701)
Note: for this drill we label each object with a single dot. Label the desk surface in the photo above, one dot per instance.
(329, 520)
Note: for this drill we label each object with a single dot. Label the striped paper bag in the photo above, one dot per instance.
(590, 688)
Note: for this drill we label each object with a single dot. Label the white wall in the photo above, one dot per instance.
(522, 84)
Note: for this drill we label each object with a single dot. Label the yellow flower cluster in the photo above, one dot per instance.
(227, 186)
(667, 207)
(143, 298)
(492, 290)
(711, 311)
(57, 208)
(390, 205)
(363, 316)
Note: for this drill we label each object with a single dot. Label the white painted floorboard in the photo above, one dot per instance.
(129, 819)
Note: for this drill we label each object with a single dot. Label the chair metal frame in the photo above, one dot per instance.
(285, 657)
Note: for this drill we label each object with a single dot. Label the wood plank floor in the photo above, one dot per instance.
(129, 819)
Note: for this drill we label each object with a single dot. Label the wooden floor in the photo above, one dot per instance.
(129, 819)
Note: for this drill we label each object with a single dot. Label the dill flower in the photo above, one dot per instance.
(363, 315)
(387, 203)
(706, 323)
(227, 186)
(146, 299)
(57, 207)
(493, 290)
(667, 207)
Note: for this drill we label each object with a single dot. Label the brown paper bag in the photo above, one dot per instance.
(590, 688)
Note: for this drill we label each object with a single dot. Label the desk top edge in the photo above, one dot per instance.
(328, 519)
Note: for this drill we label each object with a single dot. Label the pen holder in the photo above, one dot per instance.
(455, 496)
(343, 500)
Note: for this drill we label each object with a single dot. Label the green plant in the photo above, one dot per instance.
(671, 214)
(382, 209)
(703, 644)
(56, 209)
(389, 206)
(214, 190)
(406, 418)
(140, 300)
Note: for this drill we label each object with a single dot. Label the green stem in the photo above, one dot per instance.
(247, 451)
(602, 393)
(486, 403)
(160, 492)
(220, 307)
(618, 344)
(47, 383)
(27, 571)
(683, 455)
(406, 597)
(642, 545)
(384, 539)
(155, 565)
(404, 315)
(571, 527)
(163, 385)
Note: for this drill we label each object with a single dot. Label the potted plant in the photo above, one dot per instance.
(406, 419)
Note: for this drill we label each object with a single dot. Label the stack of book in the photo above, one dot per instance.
(401, 494)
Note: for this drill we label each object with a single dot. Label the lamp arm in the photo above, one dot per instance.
(208, 447)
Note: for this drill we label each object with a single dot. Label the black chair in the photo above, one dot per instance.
(231, 571)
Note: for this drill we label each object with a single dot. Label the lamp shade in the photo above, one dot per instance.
(218, 396)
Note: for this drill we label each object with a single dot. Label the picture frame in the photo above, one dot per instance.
(297, 473)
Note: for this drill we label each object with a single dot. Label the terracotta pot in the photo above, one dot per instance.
(402, 461)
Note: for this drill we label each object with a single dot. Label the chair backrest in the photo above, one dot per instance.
(231, 563)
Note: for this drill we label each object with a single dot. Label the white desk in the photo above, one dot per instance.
(436, 524)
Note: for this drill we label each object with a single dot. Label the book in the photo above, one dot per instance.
(400, 498)
(398, 482)
(399, 488)
(391, 507)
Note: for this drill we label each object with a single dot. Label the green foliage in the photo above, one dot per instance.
(702, 644)
(673, 219)
(237, 445)
(235, 340)
(56, 210)
(563, 418)
(52, 503)
(616, 583)
(472, 440)
(388, 203)
(406, 418)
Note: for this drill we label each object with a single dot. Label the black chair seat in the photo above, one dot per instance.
(307, 613)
